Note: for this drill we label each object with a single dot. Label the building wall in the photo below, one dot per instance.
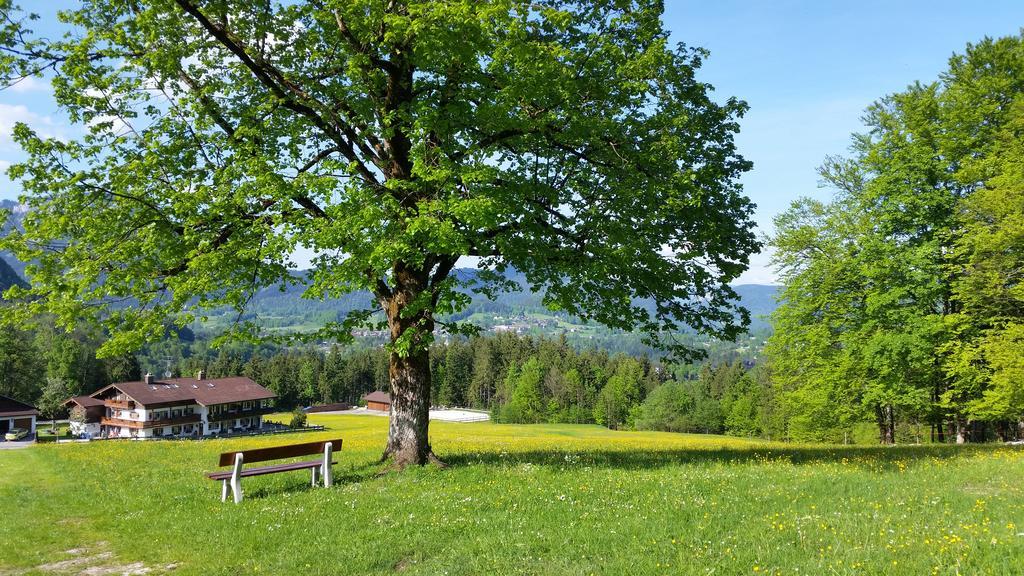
(379, 406)
(91, 429)
(209, 422)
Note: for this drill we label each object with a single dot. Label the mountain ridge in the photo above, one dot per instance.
(285, 308)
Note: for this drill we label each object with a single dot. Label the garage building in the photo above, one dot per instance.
(14, 414)
(378, 401)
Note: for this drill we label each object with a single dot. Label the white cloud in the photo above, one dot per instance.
(117, 126)
(30, 84)
(11, 114)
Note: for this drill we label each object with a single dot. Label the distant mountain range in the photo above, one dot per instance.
(287, 310)
(8, 277)
(13, 222)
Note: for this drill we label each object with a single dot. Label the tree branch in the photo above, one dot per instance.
(293, 97)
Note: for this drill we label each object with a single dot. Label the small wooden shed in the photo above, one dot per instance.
(379, 401)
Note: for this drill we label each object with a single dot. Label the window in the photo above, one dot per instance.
(175, 429)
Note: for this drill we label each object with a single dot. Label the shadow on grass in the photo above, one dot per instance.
(296, 482)
(874, 459)
(879, 458)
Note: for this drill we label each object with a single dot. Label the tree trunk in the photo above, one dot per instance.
(886, 424)
(961, 432)
(409, 370)
(408, 442)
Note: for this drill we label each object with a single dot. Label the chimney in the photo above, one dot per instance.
(148, 378)
(200, 375)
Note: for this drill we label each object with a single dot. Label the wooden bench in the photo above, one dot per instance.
(317, 468)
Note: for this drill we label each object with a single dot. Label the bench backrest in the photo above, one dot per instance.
(279, 452)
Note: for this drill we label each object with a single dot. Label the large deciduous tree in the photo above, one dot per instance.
(903, 296)
(568, 140)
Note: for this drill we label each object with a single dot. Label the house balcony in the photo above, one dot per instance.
(139, 424)
(123, 404)
(219, 416)
(121, 422)
(178, 421)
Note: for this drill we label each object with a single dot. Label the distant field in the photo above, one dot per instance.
(545, 499)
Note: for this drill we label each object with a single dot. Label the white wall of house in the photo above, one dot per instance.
(84, 428)
(136, 413)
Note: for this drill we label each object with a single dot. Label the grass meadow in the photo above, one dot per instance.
(544, 499)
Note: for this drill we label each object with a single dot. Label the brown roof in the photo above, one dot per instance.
(84, 401)
(10, 407)
(378, 396)
(207, 391)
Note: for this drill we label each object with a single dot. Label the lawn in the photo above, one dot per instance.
(546, 499)
(43, 431)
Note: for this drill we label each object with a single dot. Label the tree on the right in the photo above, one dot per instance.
(902, 293)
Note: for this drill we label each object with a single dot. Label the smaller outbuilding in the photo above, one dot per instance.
(84, 414)
(379, 401)
(14, 414)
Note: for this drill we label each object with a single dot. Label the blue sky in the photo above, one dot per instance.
(806, 68)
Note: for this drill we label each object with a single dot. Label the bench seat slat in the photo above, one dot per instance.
(279, 452)
(261, 470)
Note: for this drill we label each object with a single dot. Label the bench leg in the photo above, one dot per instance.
(314, 476)
(236, 479)
(326, 466)
(224, 490)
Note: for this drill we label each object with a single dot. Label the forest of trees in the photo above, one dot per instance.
(902, 299)
(518, 379)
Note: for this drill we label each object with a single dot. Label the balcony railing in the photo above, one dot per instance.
(126, 404)
(120, 422)
(178, 421)
(217, 416)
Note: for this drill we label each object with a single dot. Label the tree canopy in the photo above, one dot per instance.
(902, 294)
(570, 141)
